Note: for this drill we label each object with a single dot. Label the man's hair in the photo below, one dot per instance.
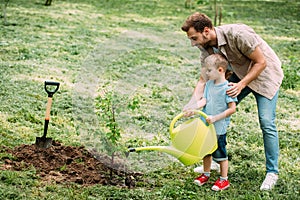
(197, 20)
(216, 60)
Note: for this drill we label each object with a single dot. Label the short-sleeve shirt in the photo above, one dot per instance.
(236, 42)
(217, 102)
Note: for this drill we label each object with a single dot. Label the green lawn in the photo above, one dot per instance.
(137, 50)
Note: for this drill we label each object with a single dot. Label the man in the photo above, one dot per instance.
(256, 69)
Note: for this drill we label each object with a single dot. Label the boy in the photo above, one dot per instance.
(218, 106)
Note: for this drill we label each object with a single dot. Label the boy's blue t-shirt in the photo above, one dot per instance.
(217, 102)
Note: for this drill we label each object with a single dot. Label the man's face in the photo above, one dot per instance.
(198, 39)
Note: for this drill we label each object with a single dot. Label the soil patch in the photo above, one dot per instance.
(60, 164)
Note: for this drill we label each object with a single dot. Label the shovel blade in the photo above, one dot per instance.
(44, 143)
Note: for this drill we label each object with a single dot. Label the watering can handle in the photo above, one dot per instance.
(181, 115)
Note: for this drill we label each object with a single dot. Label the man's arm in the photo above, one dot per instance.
(259, 64)
(229, 111)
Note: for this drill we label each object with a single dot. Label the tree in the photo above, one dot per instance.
(4, 8)
(48, 2)
(216, 4)
(218, 12)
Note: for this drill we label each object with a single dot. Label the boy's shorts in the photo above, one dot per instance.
(220, 154)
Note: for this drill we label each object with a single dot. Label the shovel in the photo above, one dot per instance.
(44, 142)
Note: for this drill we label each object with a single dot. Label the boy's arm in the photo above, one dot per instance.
(197, 96)
(199, 89)
(201, 103)
(198, 104)
(230, 110)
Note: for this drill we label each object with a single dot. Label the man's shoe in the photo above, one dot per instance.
(221, 185)
(269, 182)
(201, 180)
(214, 166)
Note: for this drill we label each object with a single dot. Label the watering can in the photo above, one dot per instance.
(190, 141)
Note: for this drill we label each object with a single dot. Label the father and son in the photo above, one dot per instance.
(235, 62)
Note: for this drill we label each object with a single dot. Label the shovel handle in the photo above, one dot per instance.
(53, 89)
(181, 115)
(48, 108)
(49, 102)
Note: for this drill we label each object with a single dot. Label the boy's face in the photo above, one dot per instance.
(213, 73)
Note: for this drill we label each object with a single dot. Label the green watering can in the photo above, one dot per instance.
(190, 141)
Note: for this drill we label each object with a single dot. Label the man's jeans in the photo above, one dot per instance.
(267, 114)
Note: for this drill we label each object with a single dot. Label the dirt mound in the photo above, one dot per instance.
(61, 163)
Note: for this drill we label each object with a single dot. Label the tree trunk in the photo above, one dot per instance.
(48, 2)
(4, 11)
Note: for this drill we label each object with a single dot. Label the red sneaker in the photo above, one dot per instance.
(221, 185)
(201, 180)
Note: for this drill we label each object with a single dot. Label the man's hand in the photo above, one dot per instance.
(258, 65)
(235, 89)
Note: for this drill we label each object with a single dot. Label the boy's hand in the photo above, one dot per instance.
(187, 109)
(188, 113)
(210, 119)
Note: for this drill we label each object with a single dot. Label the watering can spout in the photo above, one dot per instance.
(165, 149)
(131, 150)
(183, 157)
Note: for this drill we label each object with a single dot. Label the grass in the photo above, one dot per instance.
(136, 48)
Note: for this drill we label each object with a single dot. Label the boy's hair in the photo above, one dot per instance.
(216, 60)
(197, 20)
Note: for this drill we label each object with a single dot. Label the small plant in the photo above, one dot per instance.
(110, 130)
(63, 168)
(108, 105)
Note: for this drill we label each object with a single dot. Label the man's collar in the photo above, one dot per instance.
(220, 37)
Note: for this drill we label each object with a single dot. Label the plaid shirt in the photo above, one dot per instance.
(236, 42)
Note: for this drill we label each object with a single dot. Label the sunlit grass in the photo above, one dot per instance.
(139, 49)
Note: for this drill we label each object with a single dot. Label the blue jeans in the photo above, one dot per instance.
(267, 114)
(221, 153)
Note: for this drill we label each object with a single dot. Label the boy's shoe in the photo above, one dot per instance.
(201, 180)
(214, 166)
(269, 182)
(221, 185)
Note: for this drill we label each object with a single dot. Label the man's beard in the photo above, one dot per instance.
(204, 46)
